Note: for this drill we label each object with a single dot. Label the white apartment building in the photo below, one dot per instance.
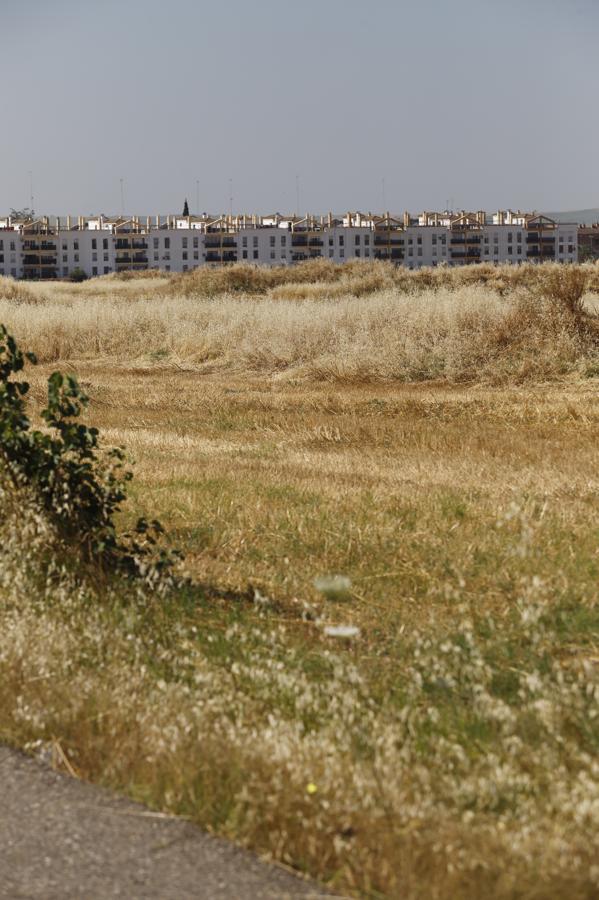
(47, 248)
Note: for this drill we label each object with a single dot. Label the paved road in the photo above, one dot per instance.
(61, 839)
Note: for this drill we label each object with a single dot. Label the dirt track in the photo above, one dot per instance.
(61, 839)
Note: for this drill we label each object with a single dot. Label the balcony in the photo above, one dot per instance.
(35, 247)
(387, 240)
(227, 256)
(216, 242)
(37, 261)
(389, 253)
(543, 252)
(534, 237)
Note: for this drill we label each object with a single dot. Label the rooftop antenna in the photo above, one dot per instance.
(231, 197)
(198, 197)
(383, 192)
(297, 196)
(31, 192)
(122, 198)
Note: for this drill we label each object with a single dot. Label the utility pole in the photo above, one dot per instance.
(31, 192)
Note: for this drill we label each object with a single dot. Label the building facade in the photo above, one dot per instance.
(45, 248)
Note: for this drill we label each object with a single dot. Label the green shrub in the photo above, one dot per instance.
(80, 487)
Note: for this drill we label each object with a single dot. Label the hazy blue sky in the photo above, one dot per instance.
(486, 102)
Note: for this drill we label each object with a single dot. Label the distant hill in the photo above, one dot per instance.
(581, 216)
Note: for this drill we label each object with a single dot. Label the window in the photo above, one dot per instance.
(283, 240)
(105, 244)
(255, 254)
(106, 257)
(76, 245)
(244, 242)
(357, 242)
(330, 242)
(509, 249)
(76, 257)
(255, 243)
(185, 254)
(64, 257)
(185, 242)
(167, 243)
(185, 268)
(64, 246)
(272, 254)
(155, 243)
(94, 244)
(341, 241)
(12, 246)
(244, 253)
(509, 238)
(65, 270)
(357, 251)
(106, 270)
(94, 270)
(272, 240)
(410, 241)
(330, 251)
(155, 257)
(196, 243)
(367, 240)
(342, 253)
(420, 241)
(95, 257)
(434, 240)
(196, 254)
(519, 237)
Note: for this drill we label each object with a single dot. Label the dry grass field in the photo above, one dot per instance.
(425, 726)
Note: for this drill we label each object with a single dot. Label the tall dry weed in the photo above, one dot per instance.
(362, 321)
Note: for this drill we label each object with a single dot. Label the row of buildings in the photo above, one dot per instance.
(50, 248)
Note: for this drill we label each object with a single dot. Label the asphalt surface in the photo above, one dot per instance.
(62, 839)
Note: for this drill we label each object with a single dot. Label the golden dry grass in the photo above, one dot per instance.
(508, 326)
(449, 750)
